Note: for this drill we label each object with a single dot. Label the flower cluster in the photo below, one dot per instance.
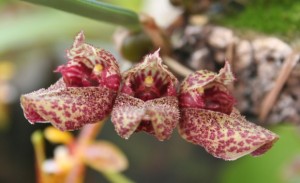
(145, 98)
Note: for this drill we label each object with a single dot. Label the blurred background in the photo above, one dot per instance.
(33, 41)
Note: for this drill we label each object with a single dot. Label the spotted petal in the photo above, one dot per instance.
(202, 78)
(158, 116)
(225, 136)
(68, 108)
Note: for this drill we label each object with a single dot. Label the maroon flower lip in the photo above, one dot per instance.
(147, 101)
(214, 97)
(209, 119)
(86, 94)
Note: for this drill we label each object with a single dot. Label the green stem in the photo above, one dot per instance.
(38, 144)
(115, 177)
(95, 10)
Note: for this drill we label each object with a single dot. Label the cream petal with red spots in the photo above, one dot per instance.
(225, 136)
(158, 116)
(127, 114)
(203, 78)
(68, 108)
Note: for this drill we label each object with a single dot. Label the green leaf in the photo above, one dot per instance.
(95, 10)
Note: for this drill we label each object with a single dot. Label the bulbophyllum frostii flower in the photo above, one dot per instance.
(85, 94)
(209, 119)
(147, 100)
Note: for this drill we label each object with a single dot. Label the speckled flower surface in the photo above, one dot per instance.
(84, 95)
(147, 101)
(209, 119)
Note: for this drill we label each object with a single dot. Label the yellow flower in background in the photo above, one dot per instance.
(7, 70)
(7, 91)
(100, 155)
(56, 136)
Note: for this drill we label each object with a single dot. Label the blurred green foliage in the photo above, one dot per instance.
(279, 17)
(38, 25)
(133, 5)
(270, 167)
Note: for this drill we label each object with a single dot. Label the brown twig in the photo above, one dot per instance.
(178, 22)
(161, 40)
(230, 53)
(176, 66)
(158, 37)
(230, 57)
(282, 77)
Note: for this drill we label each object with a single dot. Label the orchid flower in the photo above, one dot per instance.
(100, 155)
(85, 94)
(209, 119)
(147, 100)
